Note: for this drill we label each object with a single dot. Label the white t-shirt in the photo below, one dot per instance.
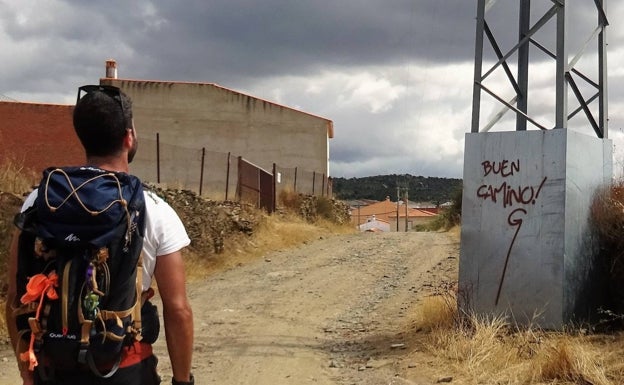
(164, 232)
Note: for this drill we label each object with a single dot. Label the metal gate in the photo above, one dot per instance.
(255, 185)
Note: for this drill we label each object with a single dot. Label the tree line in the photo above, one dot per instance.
(418, 188)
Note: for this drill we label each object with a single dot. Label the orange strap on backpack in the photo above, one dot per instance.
(39, 286)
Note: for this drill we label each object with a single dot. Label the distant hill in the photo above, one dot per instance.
(419, 188)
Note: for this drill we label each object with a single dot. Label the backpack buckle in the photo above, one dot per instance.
(82, 353)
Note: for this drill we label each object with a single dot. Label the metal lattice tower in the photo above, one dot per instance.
(567, 77)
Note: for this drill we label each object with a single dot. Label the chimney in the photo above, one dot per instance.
(111, 69)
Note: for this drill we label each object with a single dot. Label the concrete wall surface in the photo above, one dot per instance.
(590, 164)
(525, 223)
(200, 115)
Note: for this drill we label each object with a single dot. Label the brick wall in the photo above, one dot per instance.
(38, 135)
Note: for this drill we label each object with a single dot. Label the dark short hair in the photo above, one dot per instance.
(101, 123)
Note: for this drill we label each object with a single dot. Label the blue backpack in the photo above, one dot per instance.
(79, 270)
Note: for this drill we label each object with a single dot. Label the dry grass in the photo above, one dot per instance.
(488, 350)
(289, 199)
(607, 219)
(14, 181)
(572, 359)
(14, 178)
(437, 313)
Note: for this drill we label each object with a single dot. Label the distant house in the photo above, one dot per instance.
(413, 217)
(386, 211)
(426, 206)
(379, 210)
(373, 224)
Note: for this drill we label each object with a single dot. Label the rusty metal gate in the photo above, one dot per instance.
(255, 185)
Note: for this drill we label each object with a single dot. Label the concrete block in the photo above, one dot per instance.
(526, 245)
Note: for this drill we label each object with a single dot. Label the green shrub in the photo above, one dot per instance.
(448, 217)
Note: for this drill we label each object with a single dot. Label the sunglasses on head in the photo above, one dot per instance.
(111, 91)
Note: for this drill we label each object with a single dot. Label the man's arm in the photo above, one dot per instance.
(11, 301)
(177, 313)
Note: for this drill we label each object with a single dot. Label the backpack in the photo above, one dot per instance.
(79, 270)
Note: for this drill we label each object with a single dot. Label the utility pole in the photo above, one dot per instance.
(397, 210)
(406, 200)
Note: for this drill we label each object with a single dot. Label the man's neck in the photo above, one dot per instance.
(112, 163)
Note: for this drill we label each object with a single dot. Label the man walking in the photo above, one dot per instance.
(103, 122)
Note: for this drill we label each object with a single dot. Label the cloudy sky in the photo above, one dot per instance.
(395, 76)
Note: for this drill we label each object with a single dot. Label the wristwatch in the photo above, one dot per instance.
(191, 381)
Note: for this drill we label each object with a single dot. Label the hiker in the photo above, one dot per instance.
(103, 122)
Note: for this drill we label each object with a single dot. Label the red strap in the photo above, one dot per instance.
(135, 353)
(39, 286)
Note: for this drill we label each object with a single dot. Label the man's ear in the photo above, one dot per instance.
(129, 139)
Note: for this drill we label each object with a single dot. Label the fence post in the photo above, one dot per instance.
(258, 188)
(274, 186)
(313, 181)
(201, 175)
(227, 177)
(239, 187)
(295, 186)
(323, 186)
(158, 157)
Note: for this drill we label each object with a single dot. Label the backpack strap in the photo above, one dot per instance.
(26, 308)
(21, 348)
(136, 324)
(65, 296)
(97, 372)
(85, 356)
(39, 287)
(85, 332)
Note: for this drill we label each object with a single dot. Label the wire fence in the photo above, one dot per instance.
(217, 175)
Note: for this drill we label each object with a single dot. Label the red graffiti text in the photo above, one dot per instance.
(504, 168)
(508, 195)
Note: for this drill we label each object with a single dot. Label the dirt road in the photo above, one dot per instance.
(334, 311)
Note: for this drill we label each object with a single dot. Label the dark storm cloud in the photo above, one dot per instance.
(225, 40)
(235, 41)
(395, 76)
(285, 37)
